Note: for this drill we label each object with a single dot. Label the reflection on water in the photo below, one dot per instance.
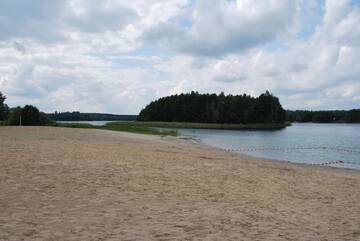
(334, 144)
(95, 123)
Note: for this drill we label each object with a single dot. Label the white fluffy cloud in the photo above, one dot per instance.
(116, 56)
(222, 27)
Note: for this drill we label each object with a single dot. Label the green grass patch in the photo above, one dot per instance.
(121, 126)
(76, 125)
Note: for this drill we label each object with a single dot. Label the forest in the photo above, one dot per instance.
(212, 108)
(326, 116)
(191, 107)
(77, 116)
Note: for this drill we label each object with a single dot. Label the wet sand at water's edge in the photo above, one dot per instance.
(77, 184)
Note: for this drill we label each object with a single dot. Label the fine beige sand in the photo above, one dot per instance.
(74, 184)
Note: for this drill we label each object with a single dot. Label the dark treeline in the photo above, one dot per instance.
(77, 116)
(192, 107)
(4, 108)
(212, 108)
(330, 116)
(28, 115)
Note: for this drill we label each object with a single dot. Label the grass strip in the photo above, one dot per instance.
(121, 126)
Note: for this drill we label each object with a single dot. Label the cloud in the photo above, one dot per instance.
(302, 74)
(222, 27)
(30, 19)
(62, 20)
(117, 56)
(94, 17)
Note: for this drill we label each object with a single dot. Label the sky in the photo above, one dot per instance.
(116, 56)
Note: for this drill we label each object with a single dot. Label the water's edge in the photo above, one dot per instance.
(191, 140)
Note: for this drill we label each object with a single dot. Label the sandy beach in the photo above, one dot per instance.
(77, 184)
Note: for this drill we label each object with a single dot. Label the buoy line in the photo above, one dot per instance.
(294, 149)
(304, 148)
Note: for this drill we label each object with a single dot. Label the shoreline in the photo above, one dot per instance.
(244, 155)
(216, 126)
(274, 161)
(89, 184)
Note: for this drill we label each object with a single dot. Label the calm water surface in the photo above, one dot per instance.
(335, 145)
(95, 123)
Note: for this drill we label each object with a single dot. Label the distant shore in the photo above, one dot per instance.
(87, 184)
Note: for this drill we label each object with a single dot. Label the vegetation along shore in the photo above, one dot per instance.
(132, 127)
(190, 125)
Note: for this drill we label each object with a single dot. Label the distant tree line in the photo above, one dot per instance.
(28, 115)
(330, 116)
(212, 108)
(191, 107)
(77, 116)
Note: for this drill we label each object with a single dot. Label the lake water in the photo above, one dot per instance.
(336, 145)
(95, 123)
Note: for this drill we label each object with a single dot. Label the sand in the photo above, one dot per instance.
(76, 184)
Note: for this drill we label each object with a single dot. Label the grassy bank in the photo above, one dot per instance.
(212, 126)
(121, 126)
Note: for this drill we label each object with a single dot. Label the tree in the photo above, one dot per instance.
(324, 116)
(14, 117)
(28, 115)
(353, 116)
(4, 109)
(212, 108)
(2, 98)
